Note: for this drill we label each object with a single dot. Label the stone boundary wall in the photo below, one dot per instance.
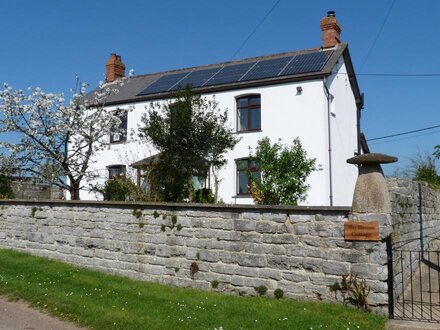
(416, 226)
(300, 250)
(36, 191)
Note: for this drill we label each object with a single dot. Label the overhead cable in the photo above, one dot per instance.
(404, 133)
(255, 29)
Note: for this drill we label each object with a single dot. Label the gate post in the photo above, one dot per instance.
(371, 205)
(390, 280)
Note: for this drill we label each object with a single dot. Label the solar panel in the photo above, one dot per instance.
(196, 78)
(267, 68)
(164, 83)
(304, 63)
(231, 73)
(282, 66)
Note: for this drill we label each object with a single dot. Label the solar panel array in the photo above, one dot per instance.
(270, 68)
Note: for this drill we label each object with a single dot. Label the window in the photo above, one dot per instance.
(246, 167)
(115, 171)
(118, 133)
(249, 113)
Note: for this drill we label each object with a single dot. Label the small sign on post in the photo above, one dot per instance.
(361, 231)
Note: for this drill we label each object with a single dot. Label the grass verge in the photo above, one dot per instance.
(102, 301)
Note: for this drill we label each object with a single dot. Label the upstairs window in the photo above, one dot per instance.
(118, 133)
(249, 113)
(116, 171)
(246, 169)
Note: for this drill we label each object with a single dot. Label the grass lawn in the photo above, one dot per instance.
(101, 301)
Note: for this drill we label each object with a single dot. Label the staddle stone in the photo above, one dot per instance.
(371, 191)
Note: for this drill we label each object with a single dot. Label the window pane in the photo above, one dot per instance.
(117, 170)
(255, 119)
(118, 133)
(241, 103)
(254, 100)
(254, 165)
(256, 176)
(243, 120)
(242, 164)
(242, 183)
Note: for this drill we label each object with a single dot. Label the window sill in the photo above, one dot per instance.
(119, 142)
(247, 132)
(242, 196)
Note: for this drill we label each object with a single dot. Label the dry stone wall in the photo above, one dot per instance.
(299, 250)
(416, 227)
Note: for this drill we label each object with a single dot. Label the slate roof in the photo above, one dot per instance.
(129, 92)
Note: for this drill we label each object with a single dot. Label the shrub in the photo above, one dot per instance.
(261, 290)
(5, 188)
(284, 171)
(214, 284)
(278, 293)
(204, 195)
(120, 188)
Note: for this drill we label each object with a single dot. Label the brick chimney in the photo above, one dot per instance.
(331, 30)
(115, 69)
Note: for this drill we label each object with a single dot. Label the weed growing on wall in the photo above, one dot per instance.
(353, 290)
(34, 210)
(193, 269)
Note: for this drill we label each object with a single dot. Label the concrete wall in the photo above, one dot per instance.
(300, 250)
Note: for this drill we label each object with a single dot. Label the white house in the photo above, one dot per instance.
(311, 94)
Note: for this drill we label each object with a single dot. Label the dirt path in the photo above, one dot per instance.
(19, 316)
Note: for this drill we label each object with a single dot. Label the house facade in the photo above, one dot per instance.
(311, 94)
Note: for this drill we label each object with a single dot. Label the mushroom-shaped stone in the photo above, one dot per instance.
(371, 191)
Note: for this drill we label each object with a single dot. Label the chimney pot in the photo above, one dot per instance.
(331, 30)
(115, 69)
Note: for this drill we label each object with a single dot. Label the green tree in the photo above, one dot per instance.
(437, 151)
(284, 170)
(191, 135)
(5, 187)
(424, 169)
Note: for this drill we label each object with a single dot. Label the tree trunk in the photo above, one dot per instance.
(74, 191)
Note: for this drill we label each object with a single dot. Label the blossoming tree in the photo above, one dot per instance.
(52, 139)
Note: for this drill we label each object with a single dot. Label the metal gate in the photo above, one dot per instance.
(414, 284)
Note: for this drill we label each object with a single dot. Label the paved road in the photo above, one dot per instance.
(19, 316)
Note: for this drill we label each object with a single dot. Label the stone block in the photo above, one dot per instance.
(264, 227)
(245, 225)
(279, 238)
(222, 268)
(313, 265)
(252, 260)
(163, 251)
(268, 273)
(336, 268)
(207, 255)
(275, 217)
(278, 262)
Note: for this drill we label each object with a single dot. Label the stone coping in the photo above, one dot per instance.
(372, 159)
(184, 206)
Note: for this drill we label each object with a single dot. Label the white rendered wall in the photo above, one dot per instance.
(343, 135)
(285, 114)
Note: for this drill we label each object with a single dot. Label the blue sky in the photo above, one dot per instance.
(48, 43)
